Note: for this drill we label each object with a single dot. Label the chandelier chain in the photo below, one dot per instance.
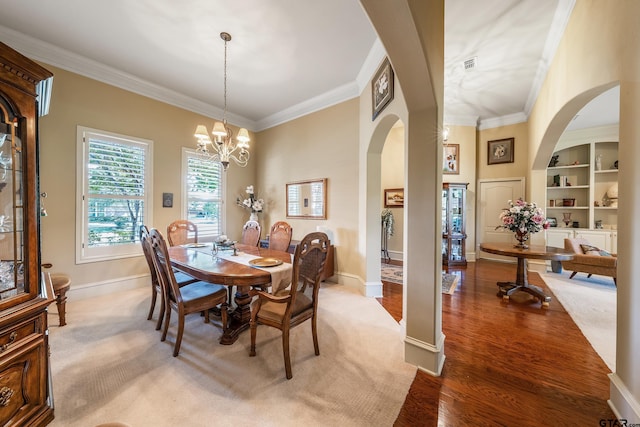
(224, 114)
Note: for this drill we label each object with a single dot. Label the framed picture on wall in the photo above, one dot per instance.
(451, 159)
(500, 151)
(394, 198)
(382, 88)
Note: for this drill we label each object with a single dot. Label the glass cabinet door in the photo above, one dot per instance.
(453, 223)
(12, 280)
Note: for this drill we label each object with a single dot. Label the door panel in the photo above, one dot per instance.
(493, 196)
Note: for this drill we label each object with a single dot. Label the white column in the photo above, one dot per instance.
(625, 382)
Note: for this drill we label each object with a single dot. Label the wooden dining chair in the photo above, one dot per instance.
(182, 231)
(251, 233)
(156, 289)
(291, 307)
(195, 297)
(280, 236)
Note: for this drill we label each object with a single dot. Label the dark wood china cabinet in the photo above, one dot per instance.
(25, 389)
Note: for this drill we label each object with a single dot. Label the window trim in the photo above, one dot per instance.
(106, 253)
(186, 154)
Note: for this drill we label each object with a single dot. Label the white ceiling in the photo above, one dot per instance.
(290, 57)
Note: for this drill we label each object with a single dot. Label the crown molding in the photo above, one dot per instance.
(320, 102)
(556, 31)
(53, 55)
(507, 120)
(453, 120)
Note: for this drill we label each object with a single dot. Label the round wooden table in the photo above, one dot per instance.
(506, 289)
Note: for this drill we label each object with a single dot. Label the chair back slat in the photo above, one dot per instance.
(162, 262)
(182, 231)
(308, 264)
(251, 233)
(280, 236)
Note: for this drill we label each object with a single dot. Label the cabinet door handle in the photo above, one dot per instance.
(12, 338)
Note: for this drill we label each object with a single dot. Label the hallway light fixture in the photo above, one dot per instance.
(445, 134)
(223, 148)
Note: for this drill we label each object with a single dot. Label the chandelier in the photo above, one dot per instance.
(223, 148)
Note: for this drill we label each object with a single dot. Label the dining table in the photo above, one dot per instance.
(239, 265)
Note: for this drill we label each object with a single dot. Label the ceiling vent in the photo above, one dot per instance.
(471, 64)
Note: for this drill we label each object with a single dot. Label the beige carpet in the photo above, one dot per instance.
(109, 365)
(591, 303)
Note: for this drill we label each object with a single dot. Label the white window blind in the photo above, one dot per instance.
(115, 193)
(294, 200)
(203, 194)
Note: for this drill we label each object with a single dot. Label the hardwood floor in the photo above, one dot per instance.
(507, 364)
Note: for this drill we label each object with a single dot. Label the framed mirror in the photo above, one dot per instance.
(307, 199)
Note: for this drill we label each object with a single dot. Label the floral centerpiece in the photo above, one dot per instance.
(251, 203)
(523, 218)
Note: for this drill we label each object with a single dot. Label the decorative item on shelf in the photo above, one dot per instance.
(568, 202)
(523, 219)
(554, 160)
(598, 224)
(224, 147)
(566, 218)
(612, 196)
(553, 222)
(615, 165)
(599, 162)
(252, 203)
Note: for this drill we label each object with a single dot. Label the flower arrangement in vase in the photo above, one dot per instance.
(523, 218)
(251, 203)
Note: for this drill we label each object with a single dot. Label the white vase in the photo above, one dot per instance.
(253, 216)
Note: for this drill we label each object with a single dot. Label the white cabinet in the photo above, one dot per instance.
(603, 239)
(600, 239)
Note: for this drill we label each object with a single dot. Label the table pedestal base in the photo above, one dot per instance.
(506, 289)
(238, 318)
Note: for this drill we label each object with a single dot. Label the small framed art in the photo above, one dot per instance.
(500, 151)
(552, 221)
(451, 159)
(394, 198)
(382, 88)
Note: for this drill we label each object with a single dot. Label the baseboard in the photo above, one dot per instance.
(427, 357)
(369, 289)
(622, 402)
(95, 289)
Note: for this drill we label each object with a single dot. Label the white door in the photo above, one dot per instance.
(493, 195)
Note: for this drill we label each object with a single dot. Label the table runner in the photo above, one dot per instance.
(280, 274)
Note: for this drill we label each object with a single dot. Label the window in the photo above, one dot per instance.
(203, 193)
(114, 195)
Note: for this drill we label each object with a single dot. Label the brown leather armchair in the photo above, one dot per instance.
(592, 262)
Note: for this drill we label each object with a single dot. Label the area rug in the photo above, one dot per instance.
(393, 273)
(591, 303)
(108, 364)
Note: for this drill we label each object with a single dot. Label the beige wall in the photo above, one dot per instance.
(520, 163)
(392, 176)
(587, 63)
(320, 145)
(81, 101)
